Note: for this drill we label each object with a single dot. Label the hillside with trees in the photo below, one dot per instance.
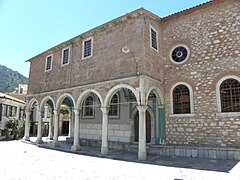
(10, 79)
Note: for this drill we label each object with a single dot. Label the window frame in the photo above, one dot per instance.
(191, 100)
(174, 47)
(118, 107)
(69, 55)
(218, 97)
(83, 47)
(84, 110)
(46, 61)
(150, 33)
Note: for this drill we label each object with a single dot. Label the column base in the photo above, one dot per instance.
(75, 148)
(50, 138)
(55, 144)
(142, 156)
(39, 141)
(26, 138)
(104, 150)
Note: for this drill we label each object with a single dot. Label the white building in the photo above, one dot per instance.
(10, 108)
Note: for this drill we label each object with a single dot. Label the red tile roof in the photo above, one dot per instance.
(192, 9)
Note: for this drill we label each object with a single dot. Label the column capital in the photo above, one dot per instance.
(142, 108)
(76, 111)
(161, 107)
(55, 111)
(104, 110)
(39, 111)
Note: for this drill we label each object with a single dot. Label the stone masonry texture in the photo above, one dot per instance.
(212, 34)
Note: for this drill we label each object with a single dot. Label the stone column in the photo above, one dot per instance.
(76, 146)
(104, 148)
(70, 123)
(142, 152)
(45, 113)
(27, 126)
(55, 136)
(17, 113)
(39, 132)
(50, 131)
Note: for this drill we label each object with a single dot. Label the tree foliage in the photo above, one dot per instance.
(10, 79)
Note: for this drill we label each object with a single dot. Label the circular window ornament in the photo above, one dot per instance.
(179, 54)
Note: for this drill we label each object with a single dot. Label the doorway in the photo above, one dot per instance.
(148, 127)
(65, 128)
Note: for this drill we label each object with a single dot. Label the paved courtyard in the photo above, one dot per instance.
(20, 160)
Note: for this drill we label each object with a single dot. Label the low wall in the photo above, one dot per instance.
(178, 151)
(196, 152)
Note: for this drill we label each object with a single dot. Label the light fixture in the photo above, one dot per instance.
(125, 49)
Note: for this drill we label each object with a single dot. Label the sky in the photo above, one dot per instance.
(29, 27)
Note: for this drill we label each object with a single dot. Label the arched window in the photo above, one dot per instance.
(114, 106)
(230, 95)
(181, 99)
(88, 106)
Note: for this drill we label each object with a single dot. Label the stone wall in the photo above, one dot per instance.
(116, 132)
(107, 63)
(212, 34)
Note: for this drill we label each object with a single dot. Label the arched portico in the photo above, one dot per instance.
(84, 94)
(47, 105)
(62, 98)
(117, 97)
(67, 100)
(30, 105)
(112, 91)
(86, 104)
(150, 129)
(156, 102)
(158, 93)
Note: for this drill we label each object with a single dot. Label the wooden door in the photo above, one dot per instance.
(148, 127)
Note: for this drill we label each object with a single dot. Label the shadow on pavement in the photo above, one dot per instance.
(180, 162)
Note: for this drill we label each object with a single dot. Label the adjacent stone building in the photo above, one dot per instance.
(11, 109)
(148, 84)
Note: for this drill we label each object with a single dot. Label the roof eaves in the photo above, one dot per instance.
(2, 95)
(192, 9)
(137, 11)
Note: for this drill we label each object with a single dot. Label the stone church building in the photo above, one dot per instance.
(146, 84)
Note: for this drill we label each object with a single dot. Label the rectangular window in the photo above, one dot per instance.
(153, 38)
(87, 47)
(14, 111)
(65, 56)
(114, 106)
(88, 108)
(1, 108)
(10, 111)
(48, 65)
(6, 110)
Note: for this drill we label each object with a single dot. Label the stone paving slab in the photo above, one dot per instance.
(21, 161)
(181, 162)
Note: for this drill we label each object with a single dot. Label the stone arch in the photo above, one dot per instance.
(84, 94)
(30, 103)
(112, 91)
(44, 101)
(62, 97)
(158, 93)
